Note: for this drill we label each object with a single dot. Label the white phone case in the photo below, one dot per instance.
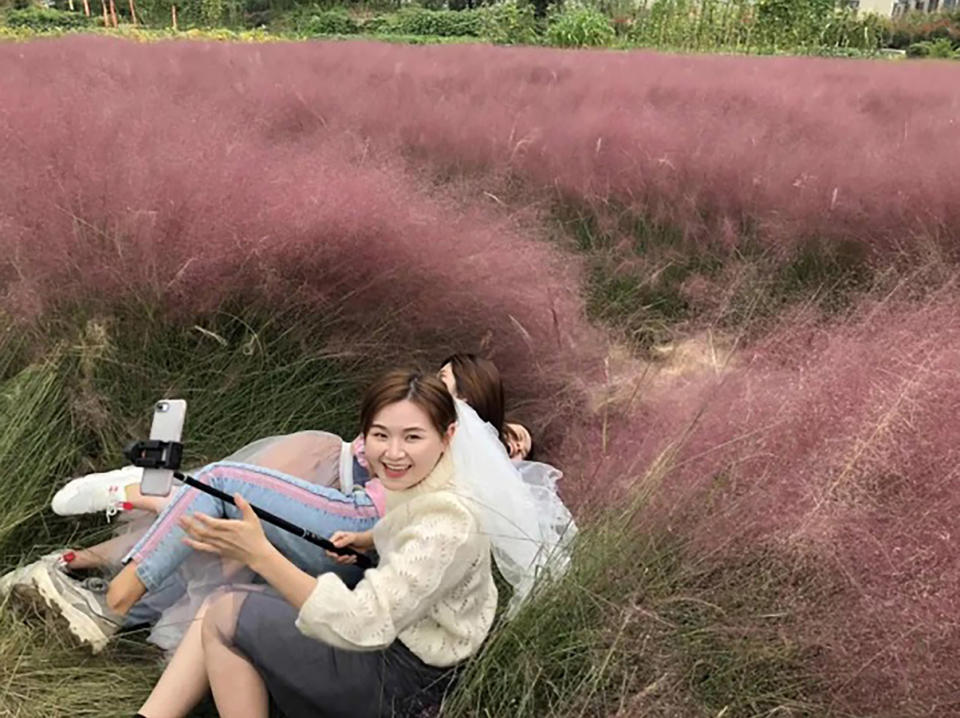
(168, 418)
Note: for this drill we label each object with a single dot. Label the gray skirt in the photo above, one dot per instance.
(310, 679)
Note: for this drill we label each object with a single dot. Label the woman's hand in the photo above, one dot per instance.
(242, 540)
(358, 540)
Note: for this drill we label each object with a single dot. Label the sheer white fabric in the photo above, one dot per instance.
(530, 530)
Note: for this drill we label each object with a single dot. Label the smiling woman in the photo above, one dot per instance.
(407, 426)
(389, 646)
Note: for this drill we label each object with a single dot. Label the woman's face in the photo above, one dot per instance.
(403, 446)
(519, 441)
(449, 380)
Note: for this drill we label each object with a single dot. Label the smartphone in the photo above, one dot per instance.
(168, 418)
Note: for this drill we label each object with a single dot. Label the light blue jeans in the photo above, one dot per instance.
(319, 509)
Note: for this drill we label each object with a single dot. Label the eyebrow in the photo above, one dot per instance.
(405, 431)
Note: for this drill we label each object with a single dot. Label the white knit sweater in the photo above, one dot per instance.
(432, 589)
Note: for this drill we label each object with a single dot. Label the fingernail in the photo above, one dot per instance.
(69, 557)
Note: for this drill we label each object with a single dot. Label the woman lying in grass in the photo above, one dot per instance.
(320, 508)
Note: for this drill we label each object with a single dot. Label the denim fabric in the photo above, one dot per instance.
(317, 508)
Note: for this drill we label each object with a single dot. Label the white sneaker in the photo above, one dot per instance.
(81, 605)
(96, 492)
(20, 576)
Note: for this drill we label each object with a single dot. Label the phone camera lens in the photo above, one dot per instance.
(162, 406)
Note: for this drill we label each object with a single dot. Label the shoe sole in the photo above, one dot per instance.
(43, 596)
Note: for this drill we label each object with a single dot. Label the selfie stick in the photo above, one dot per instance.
(154, 454)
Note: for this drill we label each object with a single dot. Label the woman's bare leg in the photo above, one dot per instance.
(93, 557)
(125, 589)
(238, 689)
(184, 681)
(103, 554)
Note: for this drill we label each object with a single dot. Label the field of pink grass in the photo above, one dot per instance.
(122, 185)
(401, 188)
(788, 148)
(836, 445)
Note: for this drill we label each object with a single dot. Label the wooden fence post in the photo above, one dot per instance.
(173, 15)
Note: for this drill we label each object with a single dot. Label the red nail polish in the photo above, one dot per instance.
(127, 506)
(69, 557)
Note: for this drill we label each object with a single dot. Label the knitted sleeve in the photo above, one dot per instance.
(421, 559)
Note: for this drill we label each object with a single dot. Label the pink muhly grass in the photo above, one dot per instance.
(788, 148)
(836, 446)
(131, 181)
(190, 176)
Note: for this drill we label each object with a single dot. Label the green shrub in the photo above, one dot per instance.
(376, 25)
(440, 23)
(915, 27)
(790, 23)
(844, 28)
(942, 49)
(327, 22)
(509, 23)
(41, 18)
(436, 5)
(580, 27)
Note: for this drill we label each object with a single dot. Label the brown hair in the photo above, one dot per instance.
(479, 384)
(426, 391)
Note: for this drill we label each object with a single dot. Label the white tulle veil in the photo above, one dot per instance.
(529, 528)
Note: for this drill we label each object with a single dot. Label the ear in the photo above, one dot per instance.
(448, 434)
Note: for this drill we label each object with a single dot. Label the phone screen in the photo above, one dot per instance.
(168, 418)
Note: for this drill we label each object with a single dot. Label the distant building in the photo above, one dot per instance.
(901, 7)
(878, 7)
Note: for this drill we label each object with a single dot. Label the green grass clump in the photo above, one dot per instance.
(42, 674)
(647, 282)
(37, 444)
(74, 410)
(644, 624)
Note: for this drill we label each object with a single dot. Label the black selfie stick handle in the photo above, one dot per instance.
(363, 561)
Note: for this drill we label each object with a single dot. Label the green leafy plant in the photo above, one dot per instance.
(918, 27)
(792, 22)
(509, 23)
(439, 23)
(41, 18)
(942, 49)
(580, 27)
(327, 22)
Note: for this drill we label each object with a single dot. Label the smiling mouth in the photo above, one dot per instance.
(393, 473)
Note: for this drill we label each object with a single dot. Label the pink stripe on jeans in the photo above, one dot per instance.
(346, 508)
